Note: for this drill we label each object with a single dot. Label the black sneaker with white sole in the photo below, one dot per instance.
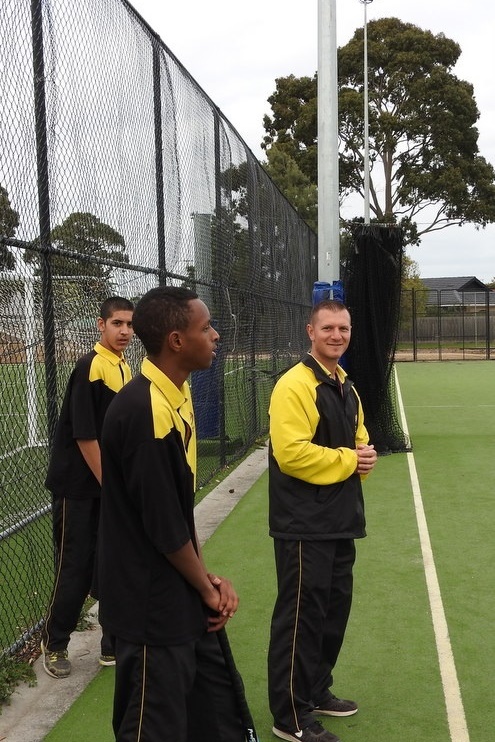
(314, 733)
(333, 706)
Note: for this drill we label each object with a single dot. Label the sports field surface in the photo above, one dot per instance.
(419, 654)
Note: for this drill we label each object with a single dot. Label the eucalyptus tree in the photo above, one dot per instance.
(86, 248)
(426, 172)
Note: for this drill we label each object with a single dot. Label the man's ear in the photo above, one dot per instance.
(309, 330)
(100, 323)
(175, 342)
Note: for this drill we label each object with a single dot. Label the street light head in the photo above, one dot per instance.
(365, 2)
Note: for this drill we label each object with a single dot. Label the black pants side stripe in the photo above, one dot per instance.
(174, 693)
(60, 557)
(308, 625)
(294, 639)
(143, 682)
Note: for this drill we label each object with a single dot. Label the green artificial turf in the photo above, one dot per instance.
(450, 409)
(389, 661)
(90, 716)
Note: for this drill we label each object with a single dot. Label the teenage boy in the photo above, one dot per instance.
(74, 479)
(156, 597)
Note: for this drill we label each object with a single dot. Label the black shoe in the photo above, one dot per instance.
(56, 664)
(334, 706)
(313, 733)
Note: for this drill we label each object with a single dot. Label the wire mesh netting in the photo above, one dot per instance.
(372, 289)
(118, 173)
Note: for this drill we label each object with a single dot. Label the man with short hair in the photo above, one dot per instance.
(318, 455)
(74, 479)
(156, 596)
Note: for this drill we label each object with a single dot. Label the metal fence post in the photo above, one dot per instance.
(216, 279)
(414, 327)
(44, 215)
(160, 216)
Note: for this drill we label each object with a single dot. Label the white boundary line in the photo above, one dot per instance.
(451, 690)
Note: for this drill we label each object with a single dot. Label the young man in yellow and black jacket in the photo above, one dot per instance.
(156, 596)
(74, 479)
(318, 455)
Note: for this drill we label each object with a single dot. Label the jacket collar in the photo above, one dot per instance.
(176, 396)
(112, 357)
(320, 372)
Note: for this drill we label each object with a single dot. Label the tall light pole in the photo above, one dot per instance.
(328, 154)
(366, 122)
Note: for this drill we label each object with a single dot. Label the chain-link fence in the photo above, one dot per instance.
(118, 173)
(443, 325)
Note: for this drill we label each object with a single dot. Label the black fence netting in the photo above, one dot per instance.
(118, 173)
(372, 284)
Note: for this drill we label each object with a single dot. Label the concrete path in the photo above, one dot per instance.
(33, 712)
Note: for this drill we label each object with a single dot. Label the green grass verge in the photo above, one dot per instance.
(22, 490)
(26, 561)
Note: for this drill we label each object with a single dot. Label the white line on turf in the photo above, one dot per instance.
(451, 690)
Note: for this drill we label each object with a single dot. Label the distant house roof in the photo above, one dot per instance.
(468, 291)
(460, 283)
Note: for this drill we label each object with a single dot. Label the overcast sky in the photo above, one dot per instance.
(236, 50)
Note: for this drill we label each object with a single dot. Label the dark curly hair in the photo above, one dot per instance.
(160, 311)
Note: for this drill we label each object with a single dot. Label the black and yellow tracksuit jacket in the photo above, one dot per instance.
(93, 383)
(316, 423)
(148, 451)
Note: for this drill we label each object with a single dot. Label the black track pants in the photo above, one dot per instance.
(176, 693)
(75, 530)
(308, 625)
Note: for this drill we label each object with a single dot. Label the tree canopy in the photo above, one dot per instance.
(9, 221)
(85, 237)
(426, 172)
(296, 186)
